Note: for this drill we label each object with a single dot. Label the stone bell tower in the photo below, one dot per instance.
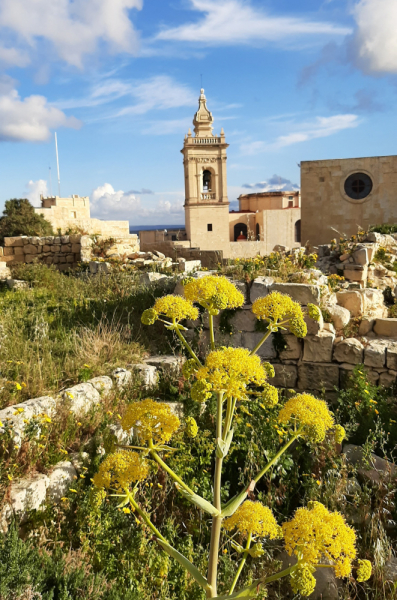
(206, 202)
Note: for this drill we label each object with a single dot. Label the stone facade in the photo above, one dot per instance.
(74, 212)
(326, 204)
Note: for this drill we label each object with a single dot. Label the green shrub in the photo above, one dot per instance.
(20, 218)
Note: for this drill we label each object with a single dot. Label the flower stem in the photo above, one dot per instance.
(262, 341)
(212, 336)
(144, 516)
(187, 346)
(242, 563)
(276, 457)
(281, 574)
(162, 464)
(216, 521)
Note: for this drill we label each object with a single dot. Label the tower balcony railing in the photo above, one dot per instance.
(208, 196)
(206, 140)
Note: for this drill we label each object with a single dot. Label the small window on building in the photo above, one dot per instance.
(73, 214)
(173, 238)
(298, 231)
(321, 179)
(290, 198)
(209, 227)
(206, 181)
(258, 232)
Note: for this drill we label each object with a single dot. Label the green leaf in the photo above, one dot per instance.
(199, 501)
(230, 508)
(185, 563)
(124, 502)
(223, 447)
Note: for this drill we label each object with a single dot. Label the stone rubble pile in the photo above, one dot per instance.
(145, 260)
(36, 491)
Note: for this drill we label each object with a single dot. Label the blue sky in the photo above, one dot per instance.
(119, 82)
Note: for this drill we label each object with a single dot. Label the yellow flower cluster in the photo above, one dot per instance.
(314, 532)
(120, 469)
(214, 293)
(309, 413)
(314, 312)
(340, 434)
(269, 395)
(230, 370)
(189, 368)
(279, 308)
(191, 427)
(172, 307)
(364, 570)
(253, 517)
(302, 580)
(151, 420)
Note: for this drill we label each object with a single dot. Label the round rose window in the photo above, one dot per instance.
(358, 186)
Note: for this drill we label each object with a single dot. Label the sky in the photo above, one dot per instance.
(119, 80)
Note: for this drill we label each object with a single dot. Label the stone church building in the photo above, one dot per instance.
(262, 221)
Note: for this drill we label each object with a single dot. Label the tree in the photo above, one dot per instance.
(19, 218)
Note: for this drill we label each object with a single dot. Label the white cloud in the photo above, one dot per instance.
(107, 203)
(30, 119)
(34, 189)
(73, 27)
(237, 22)
(12, 57)
(318, 128)
(375, 40)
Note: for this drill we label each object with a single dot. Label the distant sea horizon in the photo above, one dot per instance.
(137, 228)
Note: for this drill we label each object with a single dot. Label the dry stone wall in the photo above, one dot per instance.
(63, 251)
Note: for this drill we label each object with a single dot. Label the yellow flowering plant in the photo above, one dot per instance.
(234, 377)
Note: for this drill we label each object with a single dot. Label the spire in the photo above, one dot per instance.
(203, 118)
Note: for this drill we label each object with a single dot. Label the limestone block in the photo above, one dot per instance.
(66, 248)
(102, 384)
(29, 258)
(244, 319)
(82, 397)
(386, 327)
(375, 354)
(31, 249)
(8, 251)
(24, 495)
(372, 236)
(99, 267)
(147, 373)
(260, 288)
(46, 248)
(360, 256)
(5, 272)
(314, 327)
(19, 251)
(318, 348)
(285, 375)
(76, 248)
(149, 278)
(318, 376)
(75, 239)
(85, 241)
(189, 265)
(345, 370)
(14, 241)
(61, 479)
(366, 326)
(203, 340)
(169, 363)
(356, 273)
(70, 258)
(387, 379)
(55, 248)
(300, 292)
(122, 377)
(293, 350)
(373, 299)
(349, 351)
(391, 356)
(373, 376)
(243, 288)
(340, 316)
(1, 251)
(25, 411)
(251, 339)
(374, 470)
(351, 300)
(329, 327)
(65, 239)
(200, 274)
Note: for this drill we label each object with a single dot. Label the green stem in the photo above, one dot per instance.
(276, 457)
(144, 516)
(262, 341)
(162, 464)
(242, 563)
(281, 574)
(187, 346)
(216, 521)
(212, 336)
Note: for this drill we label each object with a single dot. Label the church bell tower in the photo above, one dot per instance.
(206, 202)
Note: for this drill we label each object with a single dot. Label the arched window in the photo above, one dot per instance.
(206, 181)
(240, 229)
(258, 232)
(298, 231)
